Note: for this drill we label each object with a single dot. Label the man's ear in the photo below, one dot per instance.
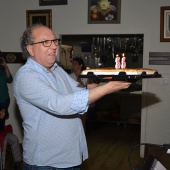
(30, 50)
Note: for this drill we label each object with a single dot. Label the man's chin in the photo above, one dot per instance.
(52, 63)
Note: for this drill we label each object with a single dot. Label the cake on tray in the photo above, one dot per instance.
(113, 71)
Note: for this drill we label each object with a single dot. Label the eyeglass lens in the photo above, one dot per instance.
(48, 43)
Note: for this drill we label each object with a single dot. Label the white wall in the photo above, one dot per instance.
(137, 16)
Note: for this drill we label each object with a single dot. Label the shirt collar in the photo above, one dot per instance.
(39, 66)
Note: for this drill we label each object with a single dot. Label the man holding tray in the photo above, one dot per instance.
(51, 103)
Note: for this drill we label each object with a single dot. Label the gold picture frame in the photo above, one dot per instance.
(104, 12)
(12, 57)
(165, 24)
(39, 16)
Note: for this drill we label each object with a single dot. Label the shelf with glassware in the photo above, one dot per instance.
(100, 50)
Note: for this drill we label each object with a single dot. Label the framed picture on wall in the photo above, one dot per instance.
(52, 2)
(12, 57)
(39, 16)
(104, 11)
(165, 24)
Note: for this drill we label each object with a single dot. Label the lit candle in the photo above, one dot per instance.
(123, 61)
(117, 61)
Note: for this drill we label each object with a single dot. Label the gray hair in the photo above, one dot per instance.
(27, 39)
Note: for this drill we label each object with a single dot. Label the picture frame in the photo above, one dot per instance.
(52, 2)
(12, 57)
(165, 24)
(104, 12)
(39, 16)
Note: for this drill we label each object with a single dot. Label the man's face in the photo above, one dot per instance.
(45, 56)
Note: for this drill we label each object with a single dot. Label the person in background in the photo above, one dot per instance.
(77, 67)
(8, 138)
(50, 103)
(5, 78)
(6, 135)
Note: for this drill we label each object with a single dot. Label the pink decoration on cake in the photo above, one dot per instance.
(117, 61)
(123, 61)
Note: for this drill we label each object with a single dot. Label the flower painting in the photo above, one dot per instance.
(104, 11)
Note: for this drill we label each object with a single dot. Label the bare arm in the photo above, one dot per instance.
(110, 87)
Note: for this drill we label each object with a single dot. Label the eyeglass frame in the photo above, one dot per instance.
(59, 40)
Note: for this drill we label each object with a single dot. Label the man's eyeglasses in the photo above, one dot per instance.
(47, 43)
